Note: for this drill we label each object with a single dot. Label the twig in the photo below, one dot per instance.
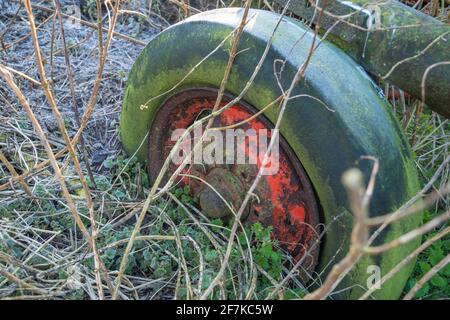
(420, 53)
(92, 25)
(22, 284)
(389, 218)
(27, 35)
(23, 101)
(406, 261)
(23, 75)
(185, 7)
(51, 100)
(425, 75)
(37, 168)
(91, 102)
(99, 28)
(416, 208)
(14, 173)
(150, 197)
(353, 182)
(102, 59)
(72, 92)
(431, 273)
(407, 237)
(297, 77)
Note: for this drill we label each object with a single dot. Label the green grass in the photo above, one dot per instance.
(179, 251)
(154, 259)
(430, 151)
(177, 268)
(439, 286)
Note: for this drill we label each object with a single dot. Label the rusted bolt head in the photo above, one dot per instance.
(224, 185)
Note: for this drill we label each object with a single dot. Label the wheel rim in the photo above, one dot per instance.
(285, 201)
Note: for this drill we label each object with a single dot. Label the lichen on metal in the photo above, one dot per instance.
(390, 40)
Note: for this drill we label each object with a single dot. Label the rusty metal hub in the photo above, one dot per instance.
(285, 200)
(223, 185)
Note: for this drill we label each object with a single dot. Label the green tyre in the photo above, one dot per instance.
(327, 141)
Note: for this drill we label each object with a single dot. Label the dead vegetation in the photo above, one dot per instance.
(74, 222)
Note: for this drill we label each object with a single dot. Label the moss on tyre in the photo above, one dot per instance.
(326, 143)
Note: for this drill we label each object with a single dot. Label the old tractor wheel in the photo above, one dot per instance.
(174, 81)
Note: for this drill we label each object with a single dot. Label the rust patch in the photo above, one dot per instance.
(285, 201)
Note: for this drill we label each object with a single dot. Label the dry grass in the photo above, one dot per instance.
(178, 251)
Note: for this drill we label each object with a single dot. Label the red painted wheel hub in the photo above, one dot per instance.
(284, 200)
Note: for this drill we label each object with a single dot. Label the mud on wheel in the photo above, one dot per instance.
(168, 89)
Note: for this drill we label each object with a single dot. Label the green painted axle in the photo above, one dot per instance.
(390, 40)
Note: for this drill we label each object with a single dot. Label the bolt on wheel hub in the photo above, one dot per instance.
(223, 185)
